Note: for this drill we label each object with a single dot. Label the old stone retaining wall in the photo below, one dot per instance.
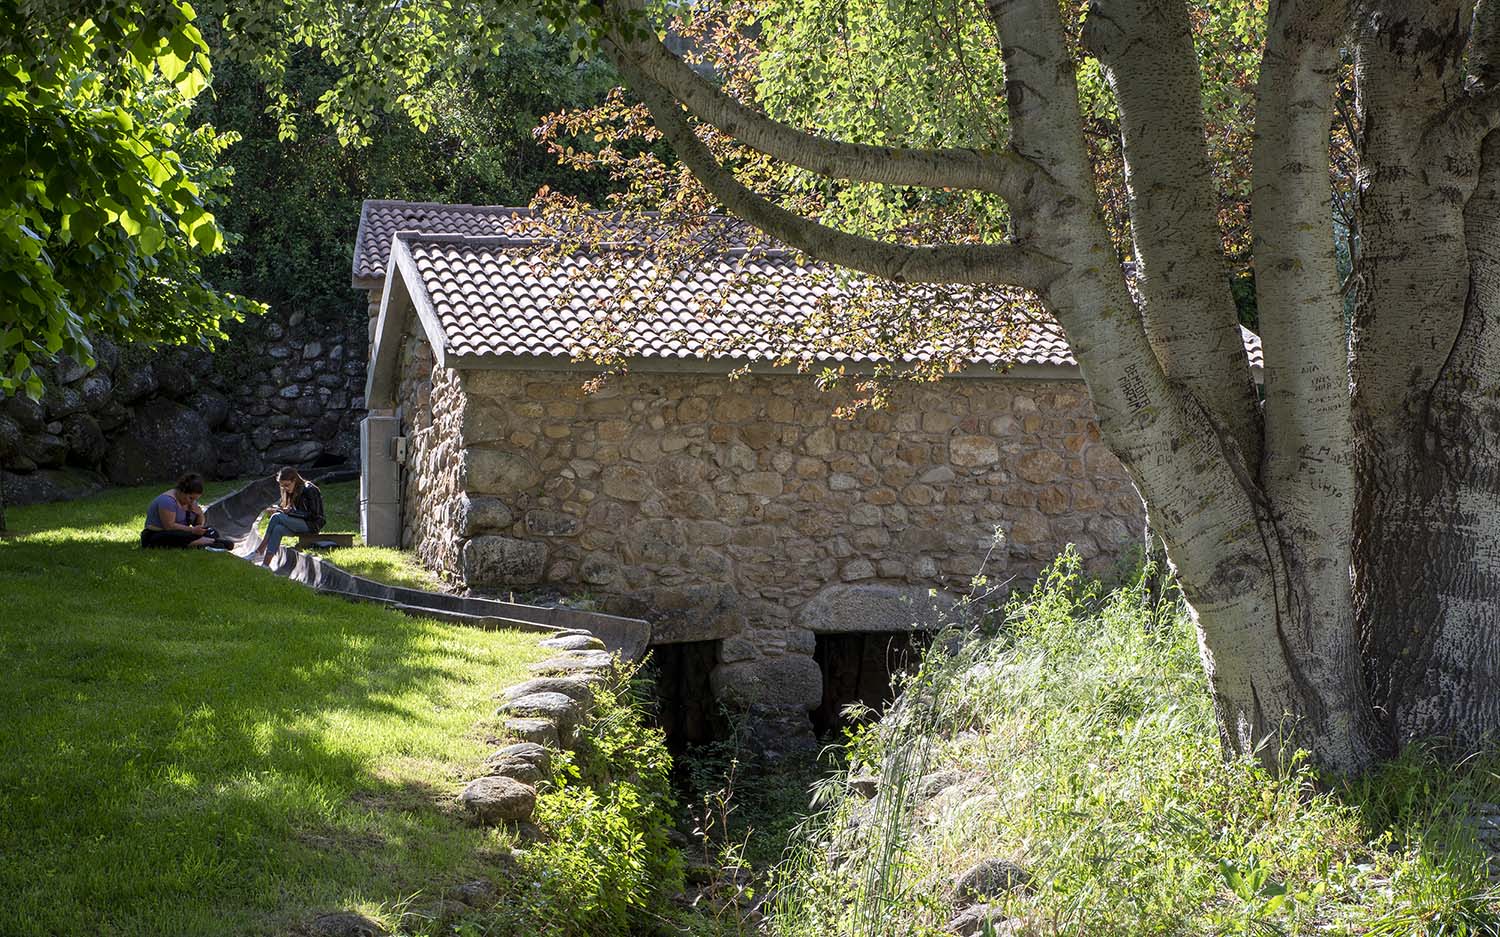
(283, 390)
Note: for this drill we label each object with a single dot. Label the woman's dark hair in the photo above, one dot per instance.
(288, 498)
(190, 484)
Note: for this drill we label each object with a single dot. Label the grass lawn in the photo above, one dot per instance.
(194, 746)
(382, 564)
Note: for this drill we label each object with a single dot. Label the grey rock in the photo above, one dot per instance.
(86, 442)
(97, 388)
(38, 487)
(736, 649)
(562, 665)
(173, 379)
(212, 406)
(990, 877)
(972, 921)
(475, 894)
(791, 680)
(777, 732)
(599, 570)
(864, 785)
(937, 782)
(478, 514)
(493, 560)
(44, 449)
(540, 731)
(312, 350)
(524, 771)
(290, 392)
(28, 414)
(344, 924)
(106, 354)
(68, 369)
(10, 436)
(164, 440)
(558, 708)
(296, 453)
(573, 642)
(132, 384)
(113, 415)
(63, 402)
(498, 799)
(498, 472)
(551, 524)
(529, 752)
(876, 607)
(579, 687)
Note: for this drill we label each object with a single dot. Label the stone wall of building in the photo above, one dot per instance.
(743, 511)
(431, 407)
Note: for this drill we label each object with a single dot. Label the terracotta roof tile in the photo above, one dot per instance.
(380, 219)
(491, 296)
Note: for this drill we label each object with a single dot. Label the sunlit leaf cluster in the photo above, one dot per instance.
(106, 186)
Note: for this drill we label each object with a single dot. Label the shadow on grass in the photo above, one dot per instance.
(195, 746)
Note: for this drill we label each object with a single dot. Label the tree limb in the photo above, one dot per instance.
(1191, 319)
(1041, 92)
(1003, 173)
(994, 264)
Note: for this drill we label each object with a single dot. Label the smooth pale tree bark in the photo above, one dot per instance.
(1339, 542)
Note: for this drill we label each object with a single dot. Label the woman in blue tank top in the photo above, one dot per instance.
(174, 519)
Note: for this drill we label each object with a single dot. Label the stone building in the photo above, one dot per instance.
(739, 515)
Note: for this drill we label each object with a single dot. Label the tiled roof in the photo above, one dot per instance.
(379, 219)
(491, 296)
(477, 273)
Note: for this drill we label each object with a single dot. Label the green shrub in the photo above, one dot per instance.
(1079, 741)
(605, 866)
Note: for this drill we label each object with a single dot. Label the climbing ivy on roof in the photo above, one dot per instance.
(106, 185)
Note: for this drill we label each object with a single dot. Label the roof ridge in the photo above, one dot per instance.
(510, 240)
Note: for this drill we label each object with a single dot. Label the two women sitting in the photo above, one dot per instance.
(300, 511)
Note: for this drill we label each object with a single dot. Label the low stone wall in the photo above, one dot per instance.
(743, 511)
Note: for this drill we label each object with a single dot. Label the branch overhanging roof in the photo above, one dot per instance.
(485, 285)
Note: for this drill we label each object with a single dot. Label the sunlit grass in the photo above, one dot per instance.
(1079, 742)
(195, 746)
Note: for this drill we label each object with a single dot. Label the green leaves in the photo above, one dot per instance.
(104, 225)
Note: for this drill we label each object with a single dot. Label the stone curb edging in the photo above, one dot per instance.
(544, 713)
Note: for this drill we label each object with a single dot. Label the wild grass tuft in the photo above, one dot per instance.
(1076, 739)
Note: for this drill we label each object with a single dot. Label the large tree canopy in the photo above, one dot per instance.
(1338, 534)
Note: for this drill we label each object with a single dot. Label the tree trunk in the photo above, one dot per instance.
(1427, 563)
(1426, 542)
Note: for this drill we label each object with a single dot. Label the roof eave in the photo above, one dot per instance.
(383, 377)
(664, 365)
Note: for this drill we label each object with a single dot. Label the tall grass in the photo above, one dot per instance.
(1074, 735)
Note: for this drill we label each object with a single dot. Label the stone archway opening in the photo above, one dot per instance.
(686, 709)
(858, 667)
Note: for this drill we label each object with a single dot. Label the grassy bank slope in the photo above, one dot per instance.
(194, 746)
(1079, 744)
